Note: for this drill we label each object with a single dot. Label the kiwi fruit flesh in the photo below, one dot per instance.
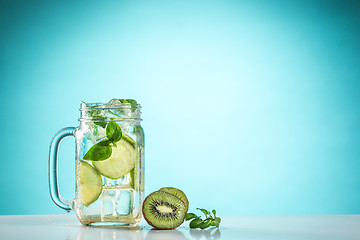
(163, 210)
(178, 193)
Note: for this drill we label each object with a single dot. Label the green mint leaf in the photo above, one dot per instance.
(217, 222)
(139, 134)
(101, 124)
(113, 131)
(214, 212)
(196, 223)
(138, 131)
(100, 151)
(132, 102)
(97, 118)
(205, 224)
(213, 223)
(204, 211)
(190, 216)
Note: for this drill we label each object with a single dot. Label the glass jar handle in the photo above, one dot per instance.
(53, 174)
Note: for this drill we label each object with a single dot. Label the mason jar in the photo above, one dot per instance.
(109, 156)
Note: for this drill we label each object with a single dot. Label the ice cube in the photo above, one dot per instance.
(108, 207)
(123, 107)
(114, 102)
(95, 133)
(124, 202)
(116, 202)
(114, 182)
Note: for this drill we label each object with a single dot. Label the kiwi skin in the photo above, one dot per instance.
(177, 193)
(164, 194)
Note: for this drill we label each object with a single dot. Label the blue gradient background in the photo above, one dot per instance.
(250, 107)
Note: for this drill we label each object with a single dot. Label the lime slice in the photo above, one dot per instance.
(119, 163)
(129, 140)
(90, 184)
(136, 176)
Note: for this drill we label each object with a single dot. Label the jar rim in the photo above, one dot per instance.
(87, 119)
(100, 106)
(126, 110)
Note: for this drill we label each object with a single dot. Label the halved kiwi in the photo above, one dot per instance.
(163, 210)
(178, 193)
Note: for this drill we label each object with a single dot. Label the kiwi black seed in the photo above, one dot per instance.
(178, 193)
(163, 210)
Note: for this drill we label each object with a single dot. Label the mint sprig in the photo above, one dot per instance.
(132, 102)
(97, 113)
(100, 151)
(103, 149)
(113, 132)
(198, 222)
(97, 116)
(120, 112)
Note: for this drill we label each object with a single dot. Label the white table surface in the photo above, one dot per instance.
(67, 227)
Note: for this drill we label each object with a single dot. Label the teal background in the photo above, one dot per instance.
(250, 107)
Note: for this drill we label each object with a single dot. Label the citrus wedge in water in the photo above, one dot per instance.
(119, 163)
(90, 184)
